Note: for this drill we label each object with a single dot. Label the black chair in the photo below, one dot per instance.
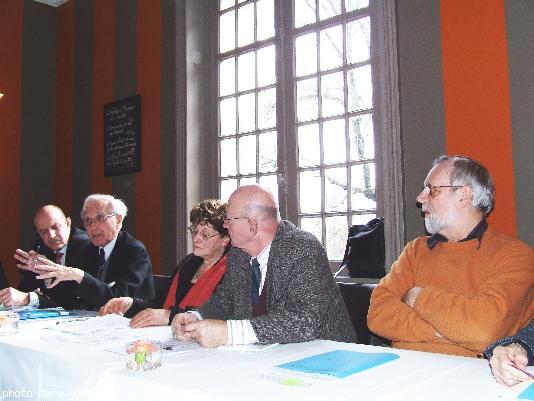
(3, 279)
(357, 297)
(162, 284)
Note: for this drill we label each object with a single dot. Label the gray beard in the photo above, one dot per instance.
(433, 224)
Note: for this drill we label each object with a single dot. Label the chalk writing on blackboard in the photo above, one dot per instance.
(122, 136)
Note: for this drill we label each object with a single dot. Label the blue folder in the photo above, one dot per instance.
(527, 394)
(28, 314)
(340, 363)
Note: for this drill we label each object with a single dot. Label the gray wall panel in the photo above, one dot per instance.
(125, 85)
(37, 168)
(421, 99)
(520, 31)
(83, 105)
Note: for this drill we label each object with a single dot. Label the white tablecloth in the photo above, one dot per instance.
(32, 369)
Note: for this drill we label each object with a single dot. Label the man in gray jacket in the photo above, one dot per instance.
(278, 287)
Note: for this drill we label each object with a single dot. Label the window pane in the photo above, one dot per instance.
(363, 189)
(245, 25)
(304, 12)
(332, 94)
(334, 143)
(362, 218)
(246, 72)
(227, 31)
(306, 54)
(309, 146)
(228, 116)
(268, 152)
(265, 19)
(360, 89)
(227, 76)
(356, 4)
(329, 8)
(336, 236)
(310, 191)
(307, 102)
(228, 157)
(362, 144)
(247, 154)
(335, 188)
(247, 181)
(358, 40)
(331, 48)
(224, 4)
(266, 66)
(267, 108)
(247, 115)
(227, 187)
(271, 183)
(312, 225)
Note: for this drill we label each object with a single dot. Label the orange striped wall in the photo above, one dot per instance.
(65, 110)
(476, 94)
(103, 76)
(147, 182)
(10, 130)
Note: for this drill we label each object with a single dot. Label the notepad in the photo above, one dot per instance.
(41, 313)
(340, 363)
(527, 394)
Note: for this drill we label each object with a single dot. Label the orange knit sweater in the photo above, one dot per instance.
(472, 296)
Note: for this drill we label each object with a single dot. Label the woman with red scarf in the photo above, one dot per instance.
(196, 276)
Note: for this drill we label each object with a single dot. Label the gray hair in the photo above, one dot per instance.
(473, 174)
(118, 207)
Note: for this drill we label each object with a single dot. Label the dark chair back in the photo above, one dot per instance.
(357, 297)
(162, 284)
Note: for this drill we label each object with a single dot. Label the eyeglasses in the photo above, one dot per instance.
(431, 190)
(227, 220)
(203, 234)
(99, 218)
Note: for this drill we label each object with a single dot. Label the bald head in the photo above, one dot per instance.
(255, 202)
(52, 226)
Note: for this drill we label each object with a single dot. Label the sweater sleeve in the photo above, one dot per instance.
(389, 316)
(525, 338)
(474, 321)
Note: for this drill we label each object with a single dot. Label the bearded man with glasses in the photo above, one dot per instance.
(465, 285)
(115, 264)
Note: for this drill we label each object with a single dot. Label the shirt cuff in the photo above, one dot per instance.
(34, 300)
(195, 313)
(240, 332)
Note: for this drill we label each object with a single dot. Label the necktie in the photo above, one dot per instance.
(59, 255)
(101, 261)
(256, 280)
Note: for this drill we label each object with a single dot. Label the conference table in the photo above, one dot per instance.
(38, 363)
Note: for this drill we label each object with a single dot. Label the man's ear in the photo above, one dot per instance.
(68, 221)
(466, 196)
(119, 219)
(253, 224)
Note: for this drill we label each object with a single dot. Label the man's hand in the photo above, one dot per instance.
(504, 361)
(178, 326)
(50, 270)
(209, 333)
(27, 260)
(150, 317)
(117, 306)
(12, 297)
(410, 297)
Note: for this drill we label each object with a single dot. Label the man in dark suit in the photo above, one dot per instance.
(58, 241)
(114, 265)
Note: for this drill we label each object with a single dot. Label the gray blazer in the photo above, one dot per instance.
(524, 337)
(303, 301)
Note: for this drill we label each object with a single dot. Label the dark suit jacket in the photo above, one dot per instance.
(128, 273)
(303, 301)
(60, 295)
(3, 279)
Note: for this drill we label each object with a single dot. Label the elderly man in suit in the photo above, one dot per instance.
(114, 265)
(59, 240)
(278, 286)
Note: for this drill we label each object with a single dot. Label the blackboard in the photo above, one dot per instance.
(122, 136)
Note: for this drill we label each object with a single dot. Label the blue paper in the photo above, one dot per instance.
(340, 363)
(40, 313)
(527, 394)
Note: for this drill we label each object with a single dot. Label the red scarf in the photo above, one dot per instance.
(201, 290)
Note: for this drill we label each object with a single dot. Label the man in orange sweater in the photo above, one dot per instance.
(464, 286)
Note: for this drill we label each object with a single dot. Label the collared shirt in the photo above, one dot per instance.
(263, 258)
(108, 248)
(476, 233)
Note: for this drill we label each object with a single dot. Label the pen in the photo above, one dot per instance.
(524, 371)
